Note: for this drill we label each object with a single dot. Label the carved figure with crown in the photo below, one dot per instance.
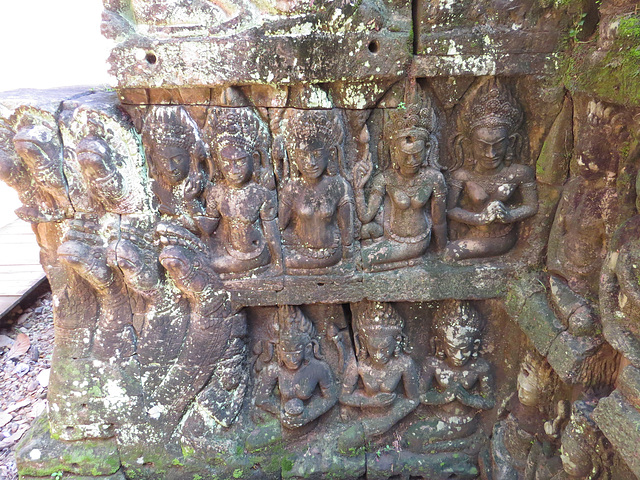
(240, 205)
(491, 193)
(458, 383)
(316, 213)
(384, 382)
(175, 154)
(306, 385)
(39, 166)
(411, 188)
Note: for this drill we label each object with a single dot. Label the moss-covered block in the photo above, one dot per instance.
(568, 355)
(620, 422)
(39, 455)
(535, 317)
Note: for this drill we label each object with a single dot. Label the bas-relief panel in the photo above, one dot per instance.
(158, 240)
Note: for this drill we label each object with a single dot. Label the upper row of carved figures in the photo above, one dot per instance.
(293, 200)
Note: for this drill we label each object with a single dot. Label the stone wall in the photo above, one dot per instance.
(355, 239)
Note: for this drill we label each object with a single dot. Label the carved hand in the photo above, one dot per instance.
(193, 187)
(382, 399)
(362, 172)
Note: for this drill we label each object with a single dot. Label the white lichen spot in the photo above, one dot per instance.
(156, 411)
(140, 460)
(35, 454)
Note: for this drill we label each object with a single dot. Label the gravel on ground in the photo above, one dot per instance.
(26, 343)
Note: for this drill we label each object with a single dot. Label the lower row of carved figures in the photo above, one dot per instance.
(293, 201)
(381, 384)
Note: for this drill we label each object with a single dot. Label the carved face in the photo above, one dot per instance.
(292, 352)
(312, 159)
(409, 153)
(380, 346)
(172, 163)
(459, 347)
(489, 146)
(236, 165)
(45, 170)
(575, 460)
(528, 385)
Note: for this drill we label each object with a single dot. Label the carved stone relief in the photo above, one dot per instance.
(320, 274)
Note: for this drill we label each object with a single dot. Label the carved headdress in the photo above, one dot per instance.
(294, 327)
(307, 129)
(171, 126)
(243, 129)
(415, 117)
(494, 106)
(456, 318)
(378, 318)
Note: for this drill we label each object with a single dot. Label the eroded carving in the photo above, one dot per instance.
(458, 383)
(383, 382)
(491, 193)
(305, 383)
(523, 444)
(411, 188)
(316, 205)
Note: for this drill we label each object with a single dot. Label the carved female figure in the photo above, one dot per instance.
(306, 384)
(490, 194)
(458, 382)
(522, 440)
(412, 189)
(240, 201)
(388, 375)
(175, 152)
(316, 202)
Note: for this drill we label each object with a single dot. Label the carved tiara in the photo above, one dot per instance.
(379, 317)
(171, 126)
(304, 125)
(495, 106)
(418, 118)
(293, 324)
(238, 127)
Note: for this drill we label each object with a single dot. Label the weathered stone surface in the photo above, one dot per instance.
(300, 242)
(620, 422)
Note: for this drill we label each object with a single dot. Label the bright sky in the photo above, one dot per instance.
(51, 43)
(45, 44)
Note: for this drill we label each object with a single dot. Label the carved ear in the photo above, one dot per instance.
(476, 346)
(515, 146)
(433, 152)
(356, 344)
(458, 151)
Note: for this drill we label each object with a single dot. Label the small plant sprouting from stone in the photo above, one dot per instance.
(56, 475)
(402, 106)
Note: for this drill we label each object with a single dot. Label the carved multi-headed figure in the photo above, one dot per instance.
(306, 384)
(176, 154)
(491, 193)
(412, 188)
(384, 381)
(239, 222)
(316, 202)
(37, 142)
(458, 382)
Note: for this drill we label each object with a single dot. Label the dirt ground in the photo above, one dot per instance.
(26, 342)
